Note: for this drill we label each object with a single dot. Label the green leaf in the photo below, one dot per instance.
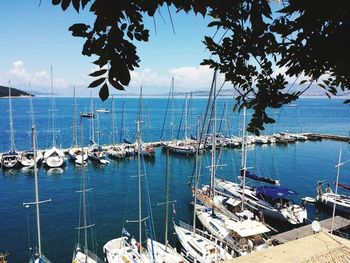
(214, 23)
(104, 92)
(98, 73)
(65, 4)
(96, 83)
(83, 3)
(303, 81)
(76, 5)
(130, 35)
(347, 101)
(56, 2)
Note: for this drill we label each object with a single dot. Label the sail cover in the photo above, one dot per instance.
(261, 179)
(274, 192)
(344, 186)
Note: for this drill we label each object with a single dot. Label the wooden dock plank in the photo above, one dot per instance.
(339, 223)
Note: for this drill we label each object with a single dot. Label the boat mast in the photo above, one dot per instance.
(53, 113)
(244, 155)
(113, 121)
(213, 144)
(92, 131)
(12, 136)
(139, 154)
(122, 122)
(84, 196)
(166, 198)
(36, 187)
(336, 188)
(172, 110)
(186, 116)
(196, 179)
(75, 139)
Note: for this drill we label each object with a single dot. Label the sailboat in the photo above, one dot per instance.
(28, 157)
(338, 202)
(53, 157)
(115, 151)
(198, 247)
(272, 201)
(126, 249)
(77, 154)
(37, 255)
(185, 146)
(81, 253)
(95, 151)
(164, 252)
(148, 150)
(243, 234)
(11, 159)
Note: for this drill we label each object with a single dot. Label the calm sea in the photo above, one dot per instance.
(113, 200)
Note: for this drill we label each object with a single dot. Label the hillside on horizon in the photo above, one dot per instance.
(4, 92)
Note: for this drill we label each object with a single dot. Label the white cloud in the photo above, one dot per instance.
(192, 77)
(19, 73)
(19, 76)
(187, 78)
(148, 77)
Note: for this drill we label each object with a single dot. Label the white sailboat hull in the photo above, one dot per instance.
(54, 158)
(77, 156)
(162, 254)
(293, 214)
(199, 248)
(119, 250)
(10, 160)
(342, 202)
(27, 159)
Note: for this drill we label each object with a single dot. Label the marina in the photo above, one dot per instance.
(114, 184)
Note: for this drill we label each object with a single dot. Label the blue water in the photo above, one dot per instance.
(114, 196)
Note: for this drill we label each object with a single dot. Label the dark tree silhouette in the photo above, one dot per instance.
(309, 38)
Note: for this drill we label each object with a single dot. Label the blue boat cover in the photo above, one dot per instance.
(274, 192)
(261, 179)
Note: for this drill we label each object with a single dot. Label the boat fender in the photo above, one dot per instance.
(245, 247)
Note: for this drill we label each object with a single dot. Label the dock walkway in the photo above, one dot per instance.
(339, 223)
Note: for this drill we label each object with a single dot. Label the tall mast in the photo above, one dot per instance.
(166, 198)
(186, 116)
(53, 113)
(196, 178)
(113, 122)
(12, 136)
(36, 187)
(336, 188)
(139, 153)
(213, 144)
(75, 139)
(92, 131)
(84, 196)
(172, 110)
(244, 155)
(122, 122)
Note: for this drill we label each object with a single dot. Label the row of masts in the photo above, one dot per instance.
(127, 250)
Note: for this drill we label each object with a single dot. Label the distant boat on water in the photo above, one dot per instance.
(53, 157)
(87, 115)
(103, 110)
(11, 159)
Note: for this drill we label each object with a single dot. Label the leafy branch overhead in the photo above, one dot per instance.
(308, 38)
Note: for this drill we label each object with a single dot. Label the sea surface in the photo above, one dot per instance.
(113, 200)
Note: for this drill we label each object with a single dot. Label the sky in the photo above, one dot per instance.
(34, 38)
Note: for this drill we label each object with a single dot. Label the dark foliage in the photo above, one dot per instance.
(306, 37)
